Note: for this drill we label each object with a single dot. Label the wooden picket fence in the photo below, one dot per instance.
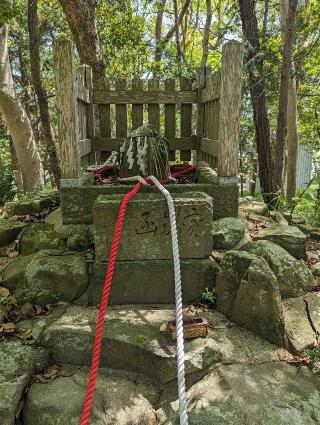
(200, 116)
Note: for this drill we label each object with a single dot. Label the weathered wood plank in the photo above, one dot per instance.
(170, 117)
(110, 144)
(83, 94)
(85, 146)
(209, 146)
(185, 119)
(104, 111)
(151, 96)
(200, 110)
(211, 92)
(230, 106)
(121, 113)
(154, 109)
(66, 101)
(137, 109)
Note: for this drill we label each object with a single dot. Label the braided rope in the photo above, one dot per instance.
(103, 306)
(179, 308)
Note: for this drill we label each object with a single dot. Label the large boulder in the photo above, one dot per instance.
(316, 270)
(120, 399)
(249, 207)
(248, 294)
(145, 349)
(288, 237)
(32, 205)
(227, 232)
(17, 364)
(9, 230)
(302, 321)
(293, 276)
(47, 277)
(77, 237)
(268, 394)
(37, 237)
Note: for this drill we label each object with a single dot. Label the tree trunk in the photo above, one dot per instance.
(206, 35)
(292, 136)
(288, 37)
(257, 91)
(177, 35)
(160, 8)
(293, 139)
(34, 42)
(81, 17)
(17, 122)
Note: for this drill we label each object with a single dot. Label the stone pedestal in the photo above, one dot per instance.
(146, 233)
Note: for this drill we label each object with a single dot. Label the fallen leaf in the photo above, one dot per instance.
(285, 356)
(12, 254)
(163, 327)
(4, 292)
(8, 327)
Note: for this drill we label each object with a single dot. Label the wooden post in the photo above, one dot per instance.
(230, 106)
(88, 81)
(66, 101)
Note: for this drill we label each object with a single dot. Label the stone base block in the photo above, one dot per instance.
(146, 233)
(150, 282)
(77, 201)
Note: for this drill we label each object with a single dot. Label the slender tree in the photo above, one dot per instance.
(17, 120)
(288, 38)
(34, 43)
(258, 98)
(206, 34)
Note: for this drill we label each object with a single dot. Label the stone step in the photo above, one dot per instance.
(135, 340)
(151, 281)
(120, 398)
(273, 393)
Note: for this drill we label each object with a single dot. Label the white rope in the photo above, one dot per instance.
(134, 179)
(178, 298)
(178, 295)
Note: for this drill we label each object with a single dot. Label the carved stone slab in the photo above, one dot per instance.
(146, 232)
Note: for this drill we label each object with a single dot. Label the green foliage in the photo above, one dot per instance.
(8, 188)
(306, 204)
(8, 13)
(208, 296)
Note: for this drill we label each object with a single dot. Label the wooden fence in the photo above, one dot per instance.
(201, 116)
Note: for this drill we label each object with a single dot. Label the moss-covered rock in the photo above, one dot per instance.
(120, 399)
(316, 270)
(294, 277)
(32, 205)
(288, 237)
(37, 237)
(248, 294)
(77, 237)
(227, 232)
(17, 364)
(9, 230)
(253, 207)
(269, 394)
(47, 277)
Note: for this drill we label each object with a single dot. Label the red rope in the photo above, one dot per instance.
(103, 306)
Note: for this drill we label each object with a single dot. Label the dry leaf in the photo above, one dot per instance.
(12, 254)
(25, 335)
(48, 374)
(163, 327)
(8, 327)
(4, 292)
(285, 356)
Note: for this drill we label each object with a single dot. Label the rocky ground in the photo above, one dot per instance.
(259, 364)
